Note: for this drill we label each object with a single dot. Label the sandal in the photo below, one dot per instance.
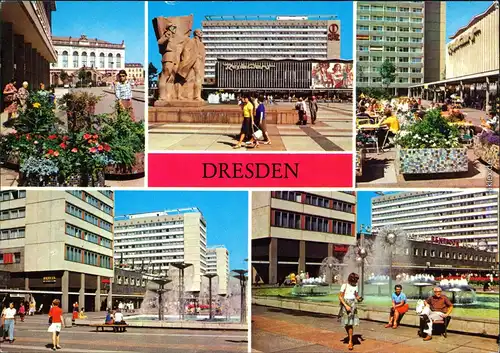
(395, 326)
(350, 347)
(238, 145)
(388, 325)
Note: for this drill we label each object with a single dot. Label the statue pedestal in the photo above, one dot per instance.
(179, 103)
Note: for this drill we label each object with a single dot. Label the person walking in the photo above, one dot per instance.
(57, 321)
(123, 93)
(9, 316)
(10, 99)
(301, 109)
(313, 108)
(246, 126)
(32, 307)
(75, 313)
(399, 306)
(22, 96)
(22, 311)
(260, 120)
(349, 297)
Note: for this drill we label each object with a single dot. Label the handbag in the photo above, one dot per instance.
(257, 133)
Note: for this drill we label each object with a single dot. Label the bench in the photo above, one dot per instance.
(439, 327)
(115, 327)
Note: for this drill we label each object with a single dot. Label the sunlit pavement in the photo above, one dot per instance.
(332, 132)
(280, 331)
(32, 336)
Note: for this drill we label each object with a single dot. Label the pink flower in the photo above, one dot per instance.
(100, 148)
(92, 150)
(87, 136)
(51, 152)
(74, 149)
(63, 145)
(36, 142)
(56, 153)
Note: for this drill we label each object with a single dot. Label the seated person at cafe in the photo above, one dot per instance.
(390, 122)
(440, 307)
(399, 306)
(363, 114)
(492, 120)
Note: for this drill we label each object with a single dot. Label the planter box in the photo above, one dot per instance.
(431, 160)
(11, 161)
(360, 157)
(487, 152)
(121, 170)
(75, 180)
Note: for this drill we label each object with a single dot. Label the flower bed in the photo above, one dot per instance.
(121, 170)
(74, 180)
(486, 147)
(431, 160)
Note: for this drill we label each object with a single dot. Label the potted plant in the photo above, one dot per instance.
(430, 146)
(487, 147)
(126, 138)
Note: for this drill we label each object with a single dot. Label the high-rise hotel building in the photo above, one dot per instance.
(410, 34)
(467, 216)
(218, 263)
(294, 231)
(161, 238)
(269, 37)
(58, 244)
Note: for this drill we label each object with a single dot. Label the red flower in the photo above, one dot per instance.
(100, 148)
(51, 152)
(65, 138)
(107, 148)
(74, 149)
(52, 137)
(95, 136)
(92, 150)
(87, 136)
(28, 137)
(63, 145)
(56, 153)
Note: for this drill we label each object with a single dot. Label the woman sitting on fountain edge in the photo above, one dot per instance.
(348, 297)
(399, 306)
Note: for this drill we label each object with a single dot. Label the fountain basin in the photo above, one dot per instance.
(311, 290)
(217, 318)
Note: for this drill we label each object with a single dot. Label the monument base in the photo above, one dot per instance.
(215, 114)
(179, 103)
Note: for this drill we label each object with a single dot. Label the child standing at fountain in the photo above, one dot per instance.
(348, 297)
(399, 306)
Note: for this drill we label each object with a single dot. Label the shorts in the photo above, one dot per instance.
(55, 327)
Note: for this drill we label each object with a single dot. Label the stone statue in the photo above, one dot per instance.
(183, 61)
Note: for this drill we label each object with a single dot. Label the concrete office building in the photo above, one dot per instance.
(467, 216)
(135, 72)
(410, 34)
(218, 263)
(161, 238)
(466, 75)
(269, 37)
(58, 244)
(27, 48)
(294, 231)
(101, 58)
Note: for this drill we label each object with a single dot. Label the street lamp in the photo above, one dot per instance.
(482, 245)
(390, 236)
(210, 276)
(360, 259)
(181, 267)
(241, 276)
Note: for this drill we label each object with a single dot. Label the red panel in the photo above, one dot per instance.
(302, 222)
(330, 225)
(273, 217)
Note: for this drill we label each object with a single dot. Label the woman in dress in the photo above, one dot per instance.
(10, 99)
(57, 321)
(22, 96)
(349, 297)
(247, 124)
(399, 306)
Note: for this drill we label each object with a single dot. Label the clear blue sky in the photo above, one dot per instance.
(459, 14)
(200, 9)
(226, 213)
(112, 21)
(364, 207)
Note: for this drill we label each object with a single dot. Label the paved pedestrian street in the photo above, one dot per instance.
(332, 132)
(32, 336)
(280, 331)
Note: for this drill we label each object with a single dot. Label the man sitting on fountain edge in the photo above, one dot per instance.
(440, 308)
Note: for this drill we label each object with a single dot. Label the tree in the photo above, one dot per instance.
(82, 75)
(64, 76)
(388, 73)
(152, 72)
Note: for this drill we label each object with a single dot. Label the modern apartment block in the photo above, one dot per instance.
(218, 263)
(58, 244)
(161, 238)
(269, 37)
(469, 217)
(294, 231)
(410, 34)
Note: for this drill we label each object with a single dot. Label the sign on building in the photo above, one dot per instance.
(331, 75)
(333, 40)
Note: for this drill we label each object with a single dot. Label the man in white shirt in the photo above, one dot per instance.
(10, 318)
(119, 320)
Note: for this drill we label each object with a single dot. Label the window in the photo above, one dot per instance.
(391, 59)
(288, 195)
(460, 256)
(378, 28)
(416, 20)
(404, 39)
(363, 48)
(75, 59)
(454, 256)
(424, 253)
(118, 61)
(403, 49)
(403, 80)
(416, 80)
(404, 29)
(377, 59)
(317, 224)
(416, 30)
(390, 19)
(390, 39)
(84, 59)
(362, 79)
(403, 69)
(416, 50)
(416, 40)
(363, 28)
(110, 61)
(364, 58)
(92, 60)
(433, 253)
(364, 17)
(377, 38)
(101, 60)
(343, 228)
(377, 8)
(390, 48)
(415, 252)
(65, 59)
(364, 7)
(404, 9)
(407, 251)
(377, 18)
(390, 8)
(390, 29)
(317, 201)
(416, 60)
(404, 19)
(287, 220)
(403, 60)
(377, 79)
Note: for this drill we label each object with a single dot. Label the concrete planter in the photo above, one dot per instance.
(74, 180)
(486, 152)
(431, 160)
(121, 171)
(360, 157)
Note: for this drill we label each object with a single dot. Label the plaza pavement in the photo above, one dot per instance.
(285, 331)
(32, 336)
(9, 177)
(332, 132)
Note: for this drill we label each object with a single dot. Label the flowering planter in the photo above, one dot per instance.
(360, 157)
(487, 152)
(123, 171)
(75, 180)
(12, 161)
(431, 160)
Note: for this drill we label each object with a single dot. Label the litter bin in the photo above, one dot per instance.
(67, 322)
